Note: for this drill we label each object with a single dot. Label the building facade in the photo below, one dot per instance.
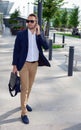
(24, 6)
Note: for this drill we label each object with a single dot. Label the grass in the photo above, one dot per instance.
(55, 46)
(70, 35)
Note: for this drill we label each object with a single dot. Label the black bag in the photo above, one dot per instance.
(14, 84)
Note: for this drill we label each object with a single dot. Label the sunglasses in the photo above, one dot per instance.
(31, 21)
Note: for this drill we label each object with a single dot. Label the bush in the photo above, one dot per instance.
(57, 46)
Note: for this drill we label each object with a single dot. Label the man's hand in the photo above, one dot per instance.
(37, 29)
(14, 69)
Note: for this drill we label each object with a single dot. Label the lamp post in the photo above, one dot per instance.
(40, 13)
(28, 8)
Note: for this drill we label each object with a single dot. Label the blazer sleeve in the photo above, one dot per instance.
(42, 41)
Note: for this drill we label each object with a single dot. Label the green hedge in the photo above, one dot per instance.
(57, 46)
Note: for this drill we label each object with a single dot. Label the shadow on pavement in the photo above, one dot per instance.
(3, 117)
(51, 78)
(75, 127)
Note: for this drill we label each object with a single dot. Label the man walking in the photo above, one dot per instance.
(27, 55)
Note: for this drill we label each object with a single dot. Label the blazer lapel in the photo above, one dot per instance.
(26, 36)
(25, 39)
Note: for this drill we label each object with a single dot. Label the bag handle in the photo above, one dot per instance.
(11, 91)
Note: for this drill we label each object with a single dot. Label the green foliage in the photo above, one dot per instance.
(70, 35)
(64, 18)
(56, 19)
(61, 18)
(57, 46)
(15, 14)
(15, 24)
(74, 17)
(56, 22)
(13, 17)
(50, 7)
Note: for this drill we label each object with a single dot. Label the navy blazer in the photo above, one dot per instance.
(21, 49)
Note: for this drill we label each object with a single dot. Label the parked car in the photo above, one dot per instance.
(75, 31)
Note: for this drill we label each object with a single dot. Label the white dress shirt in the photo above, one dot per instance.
(33, 52)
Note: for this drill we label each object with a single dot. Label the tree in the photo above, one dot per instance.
(15, 23)
(56, 19)
(64, 18)
(74, 17)
(49, 9)
(13, 18)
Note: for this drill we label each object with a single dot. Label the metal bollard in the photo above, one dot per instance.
(50, 49)
(53, 37)
(63, 40)
(70, 61)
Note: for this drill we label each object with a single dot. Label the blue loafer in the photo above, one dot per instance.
(28, 108)
(25, 119)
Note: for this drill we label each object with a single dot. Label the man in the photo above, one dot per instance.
(27, 55)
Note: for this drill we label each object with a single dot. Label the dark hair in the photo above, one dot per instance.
(33, 16)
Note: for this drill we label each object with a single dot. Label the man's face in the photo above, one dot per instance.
(31, 22)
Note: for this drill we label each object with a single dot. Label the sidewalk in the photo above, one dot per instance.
(55, 97)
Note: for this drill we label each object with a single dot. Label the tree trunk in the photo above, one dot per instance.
(47, 28)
